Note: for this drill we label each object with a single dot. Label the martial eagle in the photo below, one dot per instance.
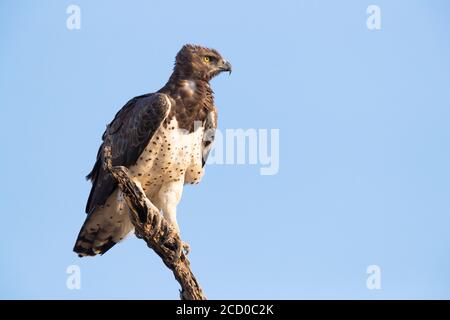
(164, 139)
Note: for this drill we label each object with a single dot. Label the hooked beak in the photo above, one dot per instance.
(225, 66)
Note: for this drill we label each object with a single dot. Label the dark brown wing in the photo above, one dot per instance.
(209, 134)
(131, 129)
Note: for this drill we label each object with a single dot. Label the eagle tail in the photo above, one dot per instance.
(103, 228)
(84, 247)
(93, 239)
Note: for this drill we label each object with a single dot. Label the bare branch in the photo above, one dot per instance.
(153, 228)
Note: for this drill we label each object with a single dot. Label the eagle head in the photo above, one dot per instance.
(200, 63)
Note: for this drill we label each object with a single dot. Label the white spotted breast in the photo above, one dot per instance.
(173, 154)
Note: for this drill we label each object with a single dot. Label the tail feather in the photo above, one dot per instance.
(85, 247)
(103, 228)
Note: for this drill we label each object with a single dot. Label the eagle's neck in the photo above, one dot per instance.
(179, 83)
(193, 99)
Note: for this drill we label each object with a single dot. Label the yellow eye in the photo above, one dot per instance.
(206, 59)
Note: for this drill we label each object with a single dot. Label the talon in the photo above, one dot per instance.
(170, 239)
(182, 248)
(186, 248)
(178, 253)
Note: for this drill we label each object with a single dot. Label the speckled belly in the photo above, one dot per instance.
(172, 155)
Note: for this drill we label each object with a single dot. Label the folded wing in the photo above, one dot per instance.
(131, 130)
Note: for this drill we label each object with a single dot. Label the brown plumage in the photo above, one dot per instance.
(157, 136)
(190, 64)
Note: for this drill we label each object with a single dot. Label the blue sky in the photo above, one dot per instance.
(364, 146)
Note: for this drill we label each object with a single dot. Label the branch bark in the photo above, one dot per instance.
(153, 228)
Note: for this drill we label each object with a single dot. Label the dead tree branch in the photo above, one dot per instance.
(153, 228)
